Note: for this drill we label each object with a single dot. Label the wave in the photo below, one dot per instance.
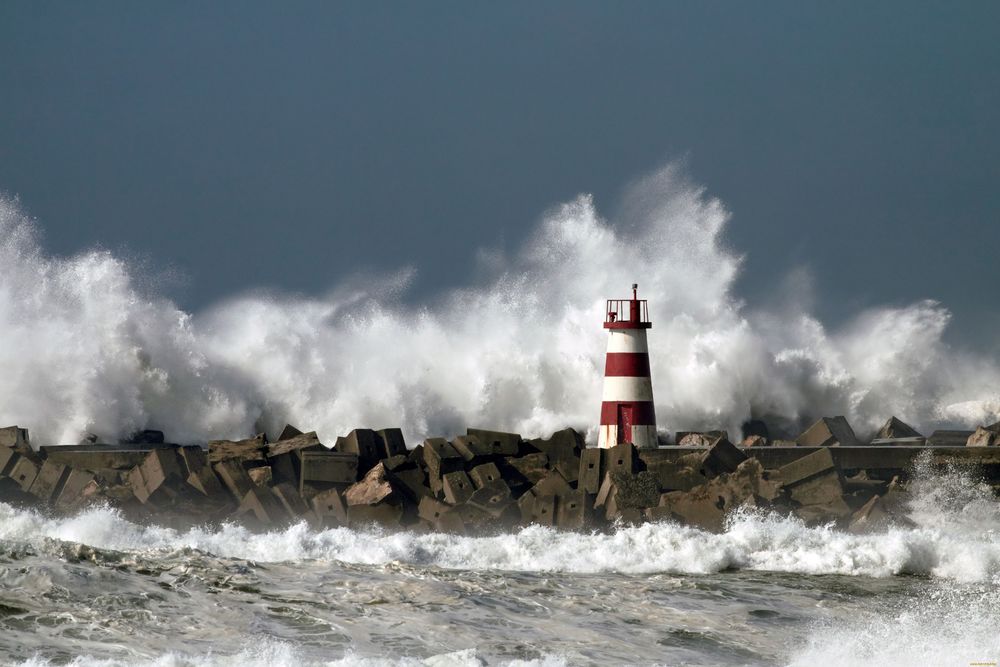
(87, 344)
(956, 537)
(272, 653)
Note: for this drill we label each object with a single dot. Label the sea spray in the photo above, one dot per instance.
(83, 348)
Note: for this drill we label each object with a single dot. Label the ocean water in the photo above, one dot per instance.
(95, 589)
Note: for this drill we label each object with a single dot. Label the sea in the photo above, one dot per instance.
(95, 589)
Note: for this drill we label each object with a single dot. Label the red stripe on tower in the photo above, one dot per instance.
(627, 413)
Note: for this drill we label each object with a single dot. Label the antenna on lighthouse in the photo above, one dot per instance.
(627, 413)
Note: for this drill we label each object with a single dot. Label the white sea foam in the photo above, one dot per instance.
(957, 540)
(82, 347)
(272, 653)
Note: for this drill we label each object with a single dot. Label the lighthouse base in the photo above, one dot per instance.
(643, 437)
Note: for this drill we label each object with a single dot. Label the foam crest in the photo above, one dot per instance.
(950, 541)
(273, 653)
(84, 348)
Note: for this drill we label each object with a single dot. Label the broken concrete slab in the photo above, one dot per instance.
(828, 432)
(249, 450)
(261, 476)
(374, 488)
(983, 437)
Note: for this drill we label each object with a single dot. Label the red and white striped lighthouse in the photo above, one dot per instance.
(627, 405)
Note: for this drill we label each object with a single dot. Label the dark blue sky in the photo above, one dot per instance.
(291, 144)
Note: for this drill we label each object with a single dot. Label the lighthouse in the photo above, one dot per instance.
(627, 413)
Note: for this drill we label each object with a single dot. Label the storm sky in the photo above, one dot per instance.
(228, 146)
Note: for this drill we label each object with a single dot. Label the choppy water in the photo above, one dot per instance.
(95, 589)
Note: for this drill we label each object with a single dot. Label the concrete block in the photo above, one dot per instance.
(23, 472)
(484, 474)
(327, 467)
(529, 469)
(983, 437)
(895, 429)
(439, 516)
(397, 462)
(383, 514)
(412, 483)
(8, 457)
(498, 442)
(493, 498)
(78, 488)
(564, 445)
(250, 450)
(811, 465)
(949, 438)
(470, 448)
(288, 433)
(49, 482)
(591, 470)
(871, 517)
(569, 469)
(262, 504)
(755, 441)
(392, 442)
(329, 507)
(534, 509)
(261, 476)
(235, 478)
(673, 476)
(365, 444)
(290, 499)
(13, 437)
(620, 457)
(824, 489)
(700, 438)
(553, 484)
(457, 487)
(571, 510)
(440, 458)
(199, 474)
(639, 490)
(721, 457)
(828, 432)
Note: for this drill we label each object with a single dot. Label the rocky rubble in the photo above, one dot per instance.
(482, 481)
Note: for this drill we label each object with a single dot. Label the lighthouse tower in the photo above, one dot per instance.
(627, 405)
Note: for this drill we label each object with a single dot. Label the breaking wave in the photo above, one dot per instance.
(271, 653)
(85, 347)
(956, 537)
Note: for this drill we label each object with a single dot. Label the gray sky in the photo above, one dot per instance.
(291, 144)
